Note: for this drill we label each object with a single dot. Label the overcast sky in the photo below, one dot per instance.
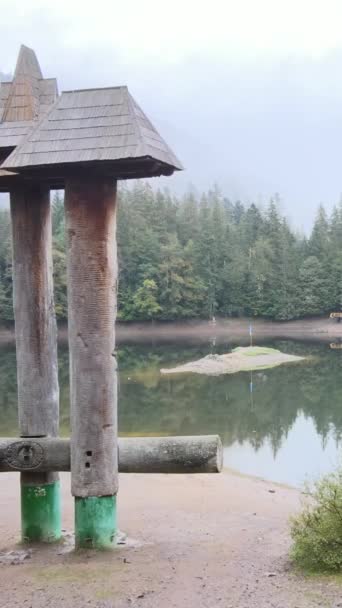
(248, 93)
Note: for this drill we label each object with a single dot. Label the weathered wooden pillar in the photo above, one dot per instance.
(90, 207)
(36, 343)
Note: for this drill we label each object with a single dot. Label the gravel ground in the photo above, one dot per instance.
(202, 541)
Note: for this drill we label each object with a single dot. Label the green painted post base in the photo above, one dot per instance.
(95, 522)
(41, 512)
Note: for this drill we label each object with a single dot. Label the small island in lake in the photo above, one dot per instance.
(241, 359)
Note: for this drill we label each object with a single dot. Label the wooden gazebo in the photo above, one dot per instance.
(82, 141)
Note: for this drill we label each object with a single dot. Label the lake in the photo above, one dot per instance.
(282, 424)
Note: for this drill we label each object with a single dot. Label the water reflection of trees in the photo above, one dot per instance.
(8, 392)
(192, 404)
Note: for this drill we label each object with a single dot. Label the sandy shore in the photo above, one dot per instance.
(322, 329)
(198, 541)
(231, 330)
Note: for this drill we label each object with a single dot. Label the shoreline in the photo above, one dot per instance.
(316, 329)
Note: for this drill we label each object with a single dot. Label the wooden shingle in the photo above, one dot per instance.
(11, 133)
(5, 88)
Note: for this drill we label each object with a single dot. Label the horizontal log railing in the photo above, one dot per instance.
(194, 454)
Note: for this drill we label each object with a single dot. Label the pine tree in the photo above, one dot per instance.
(312, 284)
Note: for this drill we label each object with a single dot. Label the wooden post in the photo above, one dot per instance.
(90, 207)
(36, 344)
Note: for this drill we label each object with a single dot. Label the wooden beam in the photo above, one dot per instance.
(90, 208)
(36, 347)
(198, 454)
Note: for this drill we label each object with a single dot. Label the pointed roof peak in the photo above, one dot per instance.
(27, 64)
(23, 100)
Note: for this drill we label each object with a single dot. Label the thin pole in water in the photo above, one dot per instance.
(251, 390)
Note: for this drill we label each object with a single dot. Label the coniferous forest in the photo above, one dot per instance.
(205, 256)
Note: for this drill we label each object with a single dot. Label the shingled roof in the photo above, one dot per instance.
(24, 100)
(46, 136)
(96, 126)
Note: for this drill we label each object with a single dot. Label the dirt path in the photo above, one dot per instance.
(203, 541)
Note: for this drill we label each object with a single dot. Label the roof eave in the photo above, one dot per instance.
(126, 168)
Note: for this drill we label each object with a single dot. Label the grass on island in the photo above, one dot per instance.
(254, 351)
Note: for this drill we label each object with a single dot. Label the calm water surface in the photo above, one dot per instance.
(283, 424)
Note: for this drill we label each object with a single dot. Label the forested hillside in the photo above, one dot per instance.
(201, 257)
